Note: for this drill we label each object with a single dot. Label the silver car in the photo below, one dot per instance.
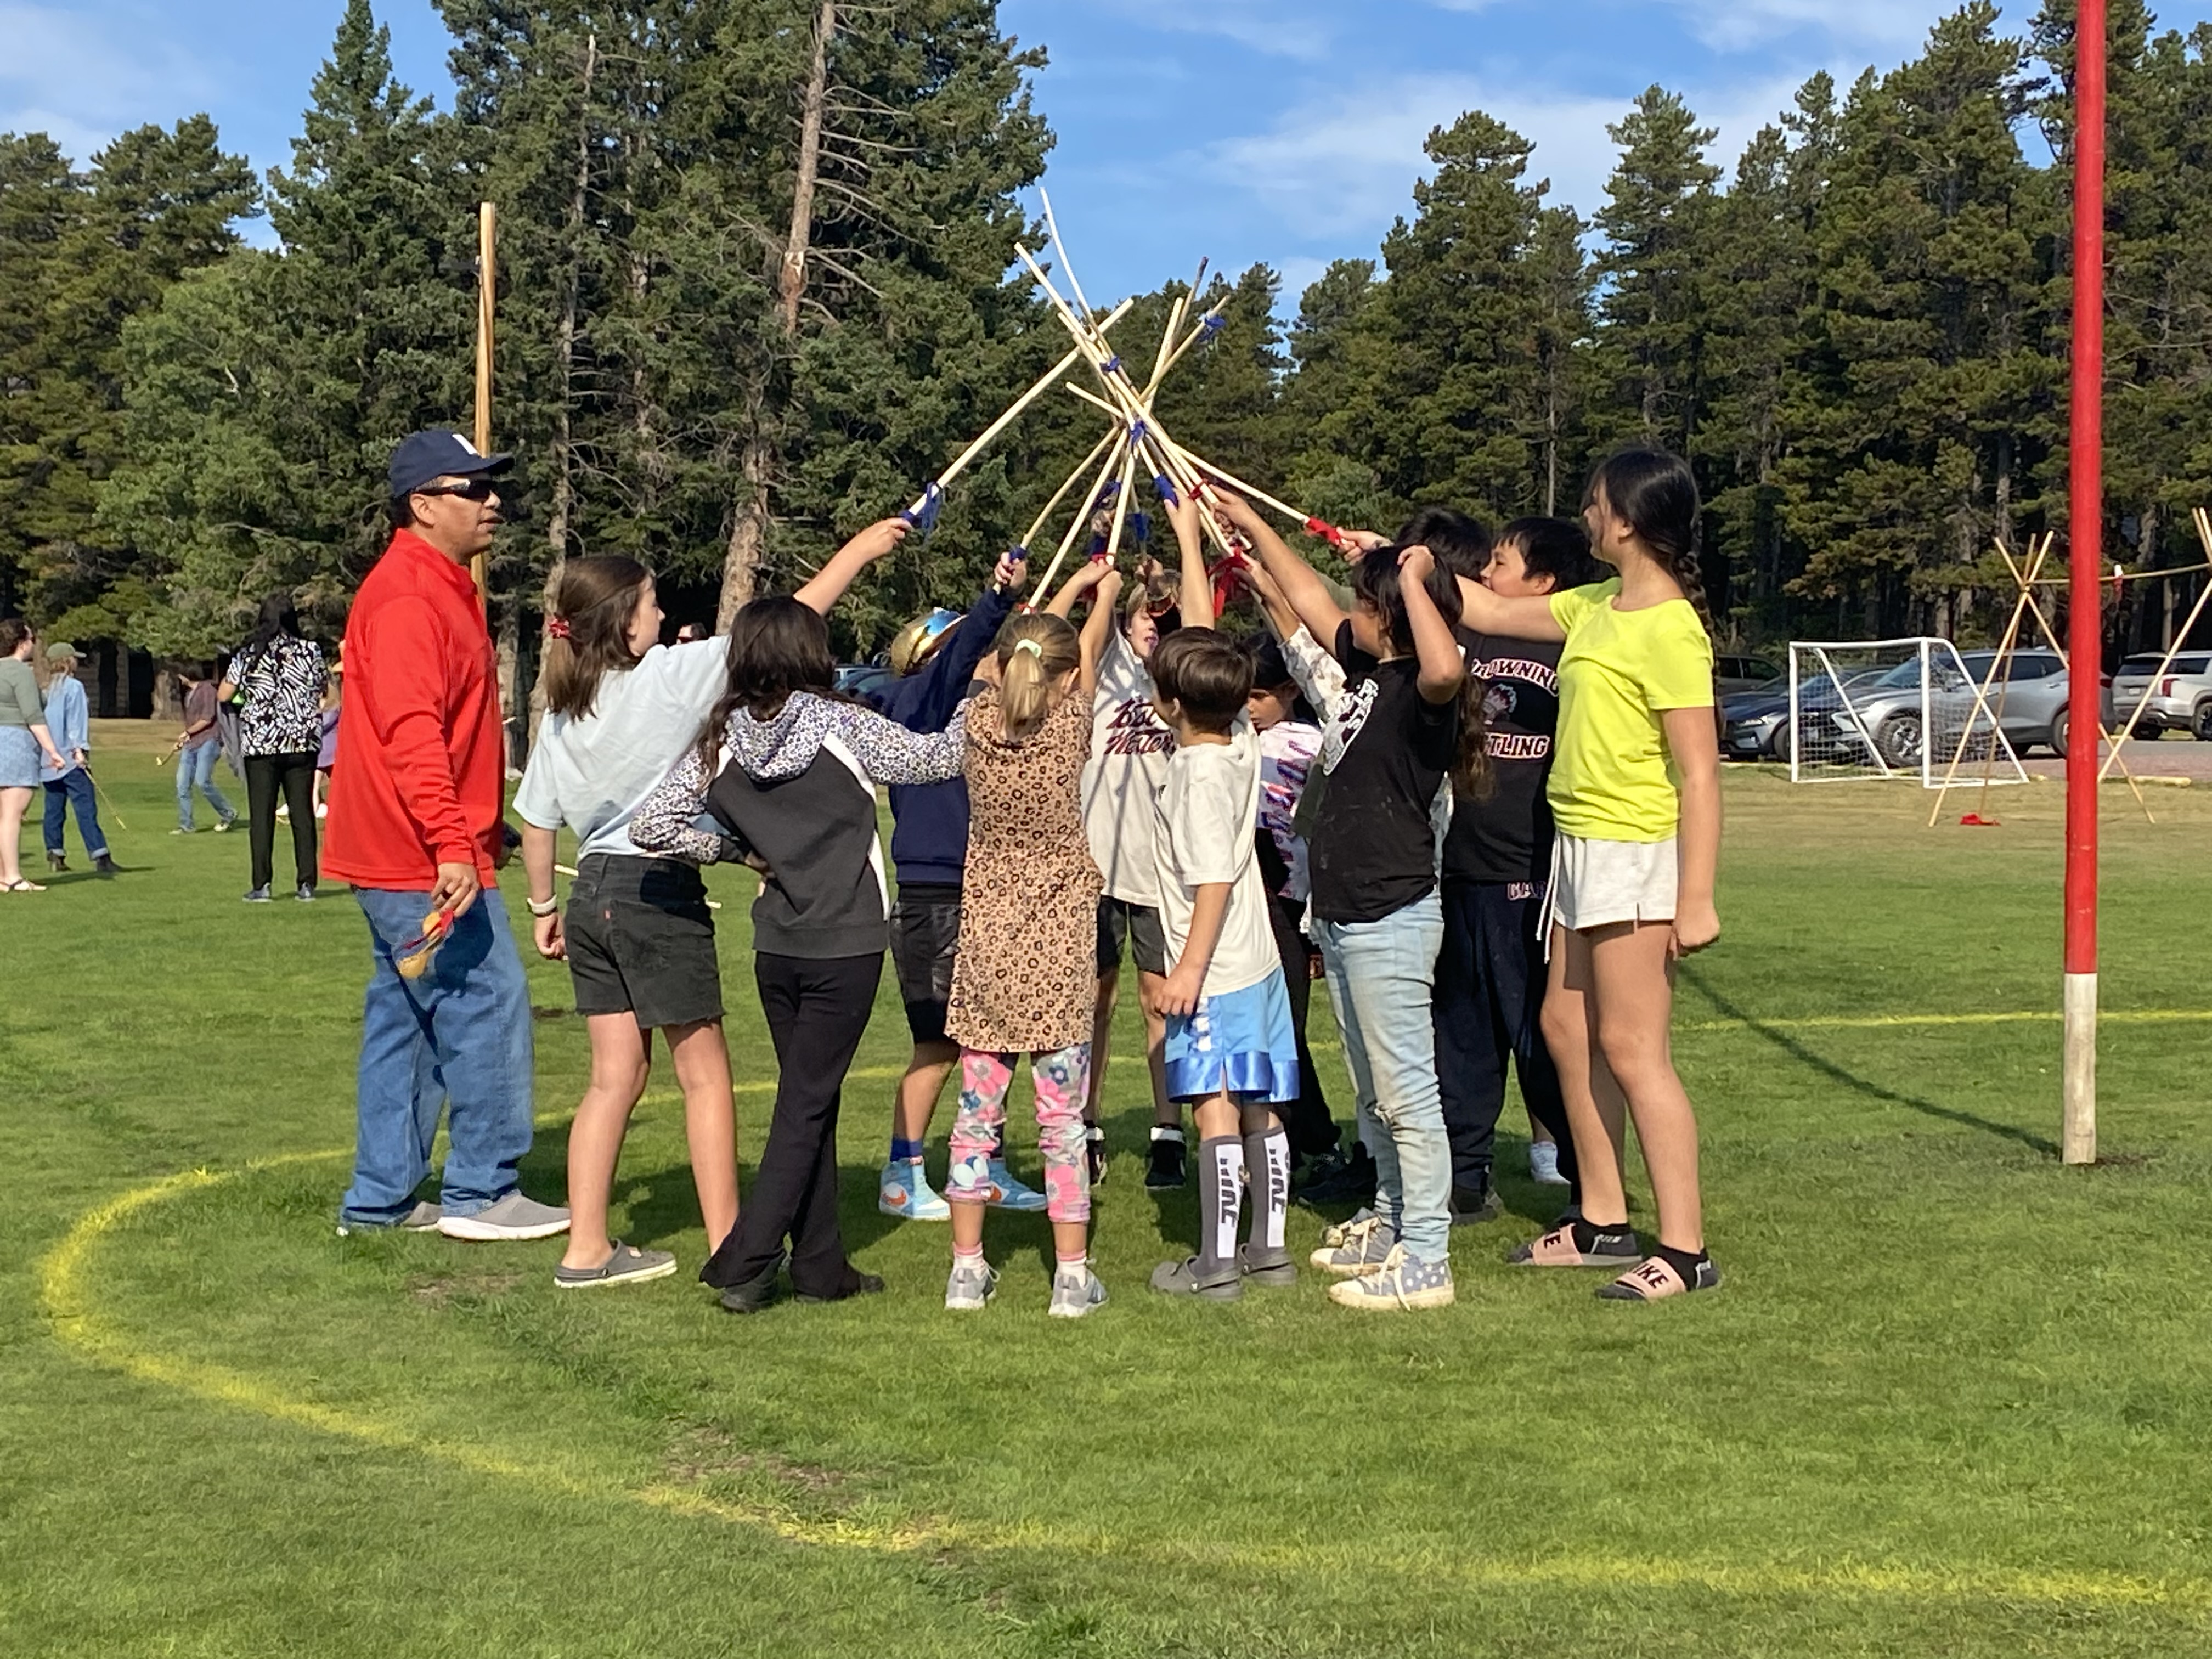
(2180, 702)
(2033, 691)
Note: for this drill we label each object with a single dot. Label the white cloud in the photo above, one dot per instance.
(1272, 27)
(83, 80)
(1746, 25)
(1347, 175)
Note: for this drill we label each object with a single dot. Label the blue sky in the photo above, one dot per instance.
(1283, 130)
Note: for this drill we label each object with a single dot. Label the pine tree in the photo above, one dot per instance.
(1657, 223)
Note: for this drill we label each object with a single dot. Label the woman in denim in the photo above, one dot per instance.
(1399, 731)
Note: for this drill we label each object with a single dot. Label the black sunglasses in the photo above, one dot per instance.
(475, 490)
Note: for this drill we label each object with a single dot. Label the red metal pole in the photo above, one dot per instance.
(2085, 624)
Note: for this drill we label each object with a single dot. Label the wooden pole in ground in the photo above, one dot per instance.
(487, 295)
(2173, 650)
(1981, 699)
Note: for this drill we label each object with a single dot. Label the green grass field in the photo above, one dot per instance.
(1952, 1400)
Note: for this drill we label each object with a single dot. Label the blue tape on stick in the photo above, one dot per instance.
(1111, 366)
(923, 515)
(1165, 485)
(1140, 526)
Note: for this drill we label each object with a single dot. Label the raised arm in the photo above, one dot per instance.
(1196, 601)
(666, 824)
(1093, 572)
(1442, 670)
(829, 584)
(1303, 589)
(1514, 619)
(890, 753)
(1099, 628)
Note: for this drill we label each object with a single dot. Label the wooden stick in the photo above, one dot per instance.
(2036, 555)
(2121, 574)
(487, 296)
(1082, 469)
(1052, 228)
(961, 462)
(1082, 515)
(2204, 534)
(2051, 636)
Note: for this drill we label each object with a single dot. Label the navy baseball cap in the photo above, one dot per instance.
(423, 456)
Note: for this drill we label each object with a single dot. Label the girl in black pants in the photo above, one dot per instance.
(787, 774)
(280, 677)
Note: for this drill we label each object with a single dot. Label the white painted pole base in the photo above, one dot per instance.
(2078, 1141)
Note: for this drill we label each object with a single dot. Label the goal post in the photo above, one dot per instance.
(1861, 709)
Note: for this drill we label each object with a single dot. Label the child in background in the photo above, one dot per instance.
(326, 758)
(1129, 751)
(1232, 1051)
(1396, 732)
(1290, 745)
(1025, 978)
(1635, 789)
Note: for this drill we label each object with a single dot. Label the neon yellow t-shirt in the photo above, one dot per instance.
(1612, 776)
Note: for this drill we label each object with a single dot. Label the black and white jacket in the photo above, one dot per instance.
(799, 792)
(282, 683)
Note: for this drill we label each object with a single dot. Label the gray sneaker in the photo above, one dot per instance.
(1075, 1292)
(1362, 1248)
(258, 895)
(1403, 1283)
(970, 1288)
(627, 1264)
(423, 1219)
(513, 1217)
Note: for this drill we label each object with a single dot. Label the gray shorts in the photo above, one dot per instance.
(1140, 924)
(641, 941)
(925, 938)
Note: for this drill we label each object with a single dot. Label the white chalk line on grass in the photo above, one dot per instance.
(81, 1330)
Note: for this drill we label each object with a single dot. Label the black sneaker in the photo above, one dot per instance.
(1166, 1168)
(1473, 1205)
(105, 865)
(1094, 1154)
(1352, 1182)
(860, 1285)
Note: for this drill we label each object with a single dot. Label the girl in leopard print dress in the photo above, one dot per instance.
(1024, 979)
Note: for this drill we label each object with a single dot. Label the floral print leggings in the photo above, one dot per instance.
(1062, 1078)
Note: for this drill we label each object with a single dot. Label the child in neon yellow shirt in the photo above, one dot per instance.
(1635, 790)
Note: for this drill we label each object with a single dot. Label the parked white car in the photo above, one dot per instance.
(2181, 701)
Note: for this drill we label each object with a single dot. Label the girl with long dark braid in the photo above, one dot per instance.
(1635, 789)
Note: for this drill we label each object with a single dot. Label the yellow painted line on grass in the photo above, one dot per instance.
(1886, 1022)
(83, 1331)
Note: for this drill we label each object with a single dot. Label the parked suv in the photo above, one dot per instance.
(1756, 722)
(1734, 671)
(2032, 688)
(2182, 700)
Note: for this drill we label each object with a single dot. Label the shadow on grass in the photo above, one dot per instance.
(1828, 1068)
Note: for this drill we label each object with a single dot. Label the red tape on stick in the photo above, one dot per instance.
(1328, 532)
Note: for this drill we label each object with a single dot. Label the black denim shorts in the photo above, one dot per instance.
(1138, 925)
(925, 938)
(641, 941)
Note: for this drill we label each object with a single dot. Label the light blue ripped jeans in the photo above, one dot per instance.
(1381, 977)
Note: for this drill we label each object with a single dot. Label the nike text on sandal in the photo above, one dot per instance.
(513, 1218)
(1403, 1283)
(628, 1265)
(1664, 1273)
(1579, 1244)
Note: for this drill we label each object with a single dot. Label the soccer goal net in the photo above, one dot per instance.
(1898, 708)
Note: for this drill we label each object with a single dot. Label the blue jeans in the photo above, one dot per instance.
(1381, 976)
(74, 788)
(459, 1036)
(196, 770)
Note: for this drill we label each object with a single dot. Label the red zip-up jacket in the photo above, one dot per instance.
(421, 769)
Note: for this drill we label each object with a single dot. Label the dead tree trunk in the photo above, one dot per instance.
(749, 522)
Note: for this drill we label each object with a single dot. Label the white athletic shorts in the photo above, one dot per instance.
(1596, 883)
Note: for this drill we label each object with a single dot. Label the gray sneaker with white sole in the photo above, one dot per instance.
(423, 1219)
(513, 1218)
(1075, 1292)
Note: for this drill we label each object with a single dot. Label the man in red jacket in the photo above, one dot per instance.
(415, 826)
